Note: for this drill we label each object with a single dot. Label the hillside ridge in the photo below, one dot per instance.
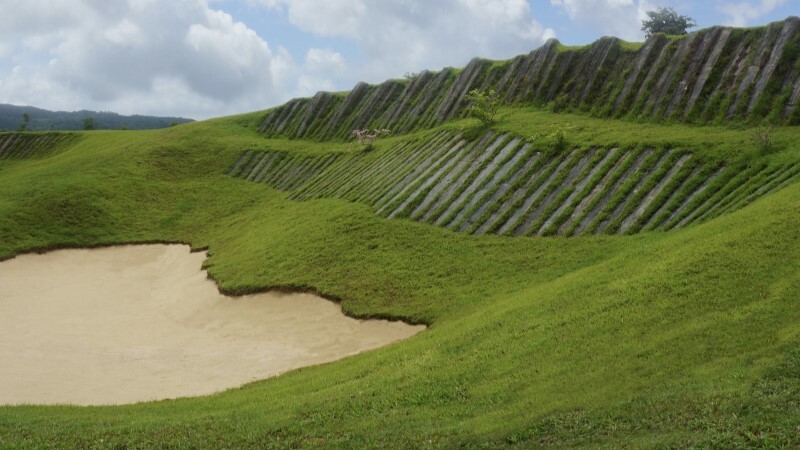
(11, 117)
(716, 74)
(501, 184)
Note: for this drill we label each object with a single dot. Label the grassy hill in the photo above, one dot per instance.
(668, 337)
(12, 117)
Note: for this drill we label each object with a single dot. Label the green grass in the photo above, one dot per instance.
(679, 339)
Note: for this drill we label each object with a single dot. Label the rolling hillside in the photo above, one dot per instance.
(38, 119)
(614, 263)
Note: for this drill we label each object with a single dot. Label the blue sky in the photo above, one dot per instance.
(273, 24)
(206, 58)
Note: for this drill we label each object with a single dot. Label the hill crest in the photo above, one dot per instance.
(11, 117)
(717, 74)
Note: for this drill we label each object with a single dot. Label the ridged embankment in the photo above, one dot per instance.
(502, 185)
(713, 74)
(30, 145)
(279, 169)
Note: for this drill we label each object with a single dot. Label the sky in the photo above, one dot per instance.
(211, 58)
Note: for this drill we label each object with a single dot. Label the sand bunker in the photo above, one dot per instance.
(135, 323)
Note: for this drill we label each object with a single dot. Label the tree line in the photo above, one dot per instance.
(27, 118)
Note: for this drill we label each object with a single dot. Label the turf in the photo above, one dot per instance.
(660, 339)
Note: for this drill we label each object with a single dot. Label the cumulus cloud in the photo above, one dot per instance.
(620, 18)
(136, 56)
(318, 59)
(323, 70)
(410, 35)
(190, 58)
(743, 13)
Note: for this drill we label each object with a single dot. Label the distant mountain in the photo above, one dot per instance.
(12, 117)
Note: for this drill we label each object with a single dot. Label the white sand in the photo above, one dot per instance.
(135, 323)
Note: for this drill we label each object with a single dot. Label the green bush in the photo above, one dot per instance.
(483, 106)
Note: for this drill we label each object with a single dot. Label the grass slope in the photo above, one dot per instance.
(687, 338)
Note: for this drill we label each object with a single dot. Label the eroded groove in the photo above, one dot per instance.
(482, 185)
(719, 191)
(524, 197)
(422, 180)
(443, 178)
(399, 187)
(388, 174)
(648, 199)
(279, 164)
(566, 208)
(291, 173)
(401, 171)
(487, 167)
(671, 202)
(30, 145)
(518, 186)
(763, 177)
(691, 202)
(635, 185)
(568, 227)
(731, 193)
(265, 170)
(261, 160)
(313, 168)
(618, 180)
(537, 216)
(479, 202)
(513, 222)
(235, 169)
(501, 184)
(785, 177)
(458, 175)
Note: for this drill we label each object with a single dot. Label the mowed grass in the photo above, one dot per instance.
(686, 338)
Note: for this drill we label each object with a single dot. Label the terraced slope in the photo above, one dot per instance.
(688, 338)
(502, 185)
(30, 145)
(279, 169)
(713, 74)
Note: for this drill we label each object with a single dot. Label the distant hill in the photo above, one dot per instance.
(12, 116)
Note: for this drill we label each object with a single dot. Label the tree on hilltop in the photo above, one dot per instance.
(26, 120)
(667, 21)
(89, 123)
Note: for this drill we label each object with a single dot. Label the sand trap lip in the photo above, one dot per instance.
(135, 323)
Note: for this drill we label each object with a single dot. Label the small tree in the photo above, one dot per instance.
(26, 120)
(410, 76)
(88, 123)
(483, 106)
(667, 21)
(763, 139)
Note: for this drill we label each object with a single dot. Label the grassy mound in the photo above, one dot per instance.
(680, 338)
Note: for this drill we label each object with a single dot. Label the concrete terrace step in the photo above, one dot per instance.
(34, 145)
(500, 184)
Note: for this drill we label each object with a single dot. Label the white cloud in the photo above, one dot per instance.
(402, 36)
(308, 85)
(136, 56)
(189, 58)
(323, 70)
(125, 33)
(743, 13)
(318, 59)
(620, 18)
